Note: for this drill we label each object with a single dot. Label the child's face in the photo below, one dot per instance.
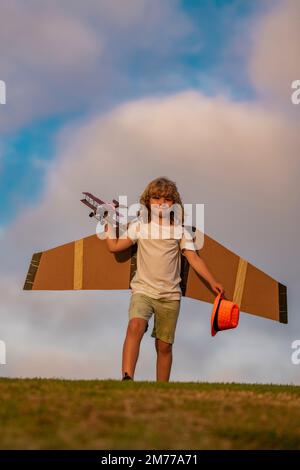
(163, 200)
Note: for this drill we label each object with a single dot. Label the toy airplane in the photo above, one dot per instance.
(86, 264)
(97, 204)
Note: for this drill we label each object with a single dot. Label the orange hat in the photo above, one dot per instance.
(225, 315)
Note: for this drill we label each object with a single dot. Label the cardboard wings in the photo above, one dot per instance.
(87, 264)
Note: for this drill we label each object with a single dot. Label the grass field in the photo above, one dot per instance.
(108, 414)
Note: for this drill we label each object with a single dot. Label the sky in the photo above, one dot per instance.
(105, 96)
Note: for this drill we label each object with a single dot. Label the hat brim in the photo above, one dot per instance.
(214, 313)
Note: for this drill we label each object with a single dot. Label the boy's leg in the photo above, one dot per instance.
(164, 360)
(165, 320)
(140, 311)
(135, 331)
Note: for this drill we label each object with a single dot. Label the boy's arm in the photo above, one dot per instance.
(116, 244)
(201, 268)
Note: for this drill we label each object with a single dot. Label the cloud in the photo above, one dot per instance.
(274, 62)
(59, 57)
(239, 159)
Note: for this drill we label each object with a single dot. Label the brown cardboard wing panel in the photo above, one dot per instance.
(81, 264)
(260, 295)
(255, 291)
(102, 269)
(222, 263)
(55, 270)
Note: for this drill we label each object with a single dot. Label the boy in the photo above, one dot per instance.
(156, 283)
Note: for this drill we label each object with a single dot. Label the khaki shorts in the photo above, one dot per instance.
(165, 311)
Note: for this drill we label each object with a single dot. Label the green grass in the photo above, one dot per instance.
(110, 414)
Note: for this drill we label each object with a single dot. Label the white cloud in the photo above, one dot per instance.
(274, 62)
(58, 56)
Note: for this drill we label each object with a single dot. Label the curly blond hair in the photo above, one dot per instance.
(162, 186)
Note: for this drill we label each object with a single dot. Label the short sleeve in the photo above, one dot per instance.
(133, 230)
(191, 240)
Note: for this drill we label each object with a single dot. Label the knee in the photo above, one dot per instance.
(163, 348)
(137, 326)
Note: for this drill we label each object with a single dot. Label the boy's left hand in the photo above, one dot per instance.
(217, 287)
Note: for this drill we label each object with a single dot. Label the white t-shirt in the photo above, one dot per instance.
(159, 258)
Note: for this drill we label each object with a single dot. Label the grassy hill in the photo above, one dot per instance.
(110, 414)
